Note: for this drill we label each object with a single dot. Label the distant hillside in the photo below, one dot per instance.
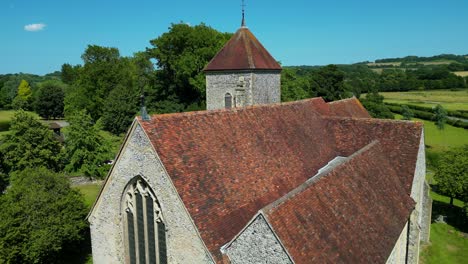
(449, 58)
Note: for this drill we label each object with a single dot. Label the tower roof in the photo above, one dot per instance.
(243, 52)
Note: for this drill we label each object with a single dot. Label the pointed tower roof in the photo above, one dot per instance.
(243, 52)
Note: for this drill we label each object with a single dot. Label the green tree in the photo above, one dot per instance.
(440, 116)
(86, 150)
(375, 106)
(330, 82)
(103, 70)
(120, 109)
(181, 54)
(3, 179)
(29, 144)
(295, 87)
(407, 113)
(50, 99)
(69, 74)
(41, 218)
(24, 96)
(452, 173)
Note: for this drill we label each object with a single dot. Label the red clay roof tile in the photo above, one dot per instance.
(348, 108)
(243, 52)
(228, 164)
(344, 216)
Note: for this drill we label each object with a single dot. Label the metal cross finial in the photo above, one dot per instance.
(243, 14)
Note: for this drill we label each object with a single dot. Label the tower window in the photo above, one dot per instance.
(145, 232)
(228, 101)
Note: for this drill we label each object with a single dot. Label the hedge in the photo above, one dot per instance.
(396, 108)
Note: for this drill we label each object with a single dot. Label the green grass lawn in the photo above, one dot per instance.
(90, 193)
(439, 140)
(451, 100)
(448, 243)
(447, 246)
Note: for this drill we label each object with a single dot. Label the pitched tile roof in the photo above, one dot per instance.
(348, 108)
(243, 52)
(228, 164)
(351, 214)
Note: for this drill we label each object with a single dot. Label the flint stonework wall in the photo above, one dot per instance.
(139, 159)
(266, 88)
(426, 214)
(257, 244)
(246, 88)
(398, 254)
(417, 189)
(414, 239)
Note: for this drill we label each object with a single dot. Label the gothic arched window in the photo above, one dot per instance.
(145, 232)
(228, 100)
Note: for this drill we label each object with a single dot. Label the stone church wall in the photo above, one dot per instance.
(139, 159)
(398, 254)
(417, 190)
(246, 88)
(257, 244)
(426, 214)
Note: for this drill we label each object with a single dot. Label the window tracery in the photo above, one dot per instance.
(145, 231)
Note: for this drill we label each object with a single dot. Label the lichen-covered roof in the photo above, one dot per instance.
(243, 52)
(229, 164)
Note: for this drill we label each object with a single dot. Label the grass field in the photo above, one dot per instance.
(448, 245)
(451, 100)
(441, 140)
(90, 192)
(461, 73)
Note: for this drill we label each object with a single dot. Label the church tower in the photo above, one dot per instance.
(243, 73)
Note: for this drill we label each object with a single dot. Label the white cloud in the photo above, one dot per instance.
(35, 27)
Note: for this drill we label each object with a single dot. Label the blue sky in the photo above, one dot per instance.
(296, 32)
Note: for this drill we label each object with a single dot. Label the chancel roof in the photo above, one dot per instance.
(351, 214)
(243, 52)
(229, 164)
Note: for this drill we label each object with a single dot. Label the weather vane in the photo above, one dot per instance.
(243, 13)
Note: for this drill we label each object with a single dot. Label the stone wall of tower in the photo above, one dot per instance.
(246, 88)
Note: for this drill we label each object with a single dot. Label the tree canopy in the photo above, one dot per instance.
(181, 54)
(50, 99)
(452, 173)
(23, 98)
(41, 218)
(103, 70)
(85, 149)
(29, 144)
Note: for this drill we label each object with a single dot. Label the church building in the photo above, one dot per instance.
(253, 180)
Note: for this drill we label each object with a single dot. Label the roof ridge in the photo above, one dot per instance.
(376, 120)
(319, 175)
(235, 109)
(343, 100)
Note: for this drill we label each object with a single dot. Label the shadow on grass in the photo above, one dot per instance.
(455, 214)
